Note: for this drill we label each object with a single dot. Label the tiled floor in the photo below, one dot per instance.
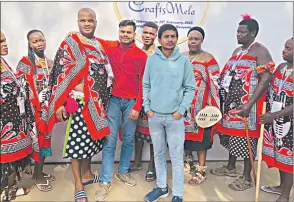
(213, 189)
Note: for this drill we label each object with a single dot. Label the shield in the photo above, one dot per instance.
(208, 117)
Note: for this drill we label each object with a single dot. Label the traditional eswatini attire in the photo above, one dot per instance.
(243, 73)
(142, 131)
(18, 141)
(278, 136)
(81, 61)
(37, 78)
(206, 77)
(196, 138)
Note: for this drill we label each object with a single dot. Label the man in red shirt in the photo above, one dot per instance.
(128, 64)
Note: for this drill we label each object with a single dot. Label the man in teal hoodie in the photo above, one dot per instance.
(168, 90)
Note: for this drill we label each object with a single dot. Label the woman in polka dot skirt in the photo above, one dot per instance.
(18, 141)
(79, 144)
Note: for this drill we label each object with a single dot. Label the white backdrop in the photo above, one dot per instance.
(56, 19)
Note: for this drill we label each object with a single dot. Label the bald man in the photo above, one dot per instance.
(128, 64)
(80, 86)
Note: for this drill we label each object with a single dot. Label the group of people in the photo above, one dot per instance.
(110, 89)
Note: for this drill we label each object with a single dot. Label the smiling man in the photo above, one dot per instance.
(128, 64)
(168, 90)
(79, 93)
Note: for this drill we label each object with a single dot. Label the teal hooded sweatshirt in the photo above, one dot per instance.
(168, 83)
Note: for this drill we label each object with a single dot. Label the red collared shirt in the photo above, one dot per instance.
(128, 64)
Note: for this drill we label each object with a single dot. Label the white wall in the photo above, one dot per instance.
(57, 19)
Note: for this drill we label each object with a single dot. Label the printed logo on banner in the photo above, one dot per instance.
(183, 15)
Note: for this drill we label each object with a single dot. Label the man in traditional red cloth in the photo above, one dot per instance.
(244, 80)
(79, 86)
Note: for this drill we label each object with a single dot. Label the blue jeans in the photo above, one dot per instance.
(166, 129)
(118, 112)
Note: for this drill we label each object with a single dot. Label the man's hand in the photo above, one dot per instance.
(243, 110)
(134, 115)
(267, 118)
(177, 115)
(150, 114)
(61, 114)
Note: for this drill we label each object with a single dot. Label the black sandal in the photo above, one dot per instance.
(240, 184)
(93, 181)
(150, 176)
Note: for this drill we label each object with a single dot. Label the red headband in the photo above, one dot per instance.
(246, 16)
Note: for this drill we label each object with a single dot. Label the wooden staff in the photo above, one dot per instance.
(250, 149)
(259, 165)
